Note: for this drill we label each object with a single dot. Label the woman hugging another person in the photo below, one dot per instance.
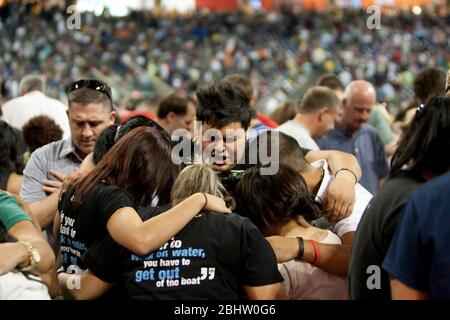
(136, 170)
(280, 204)
(216, 256)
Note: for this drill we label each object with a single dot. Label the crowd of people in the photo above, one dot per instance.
(188, 51)
(203, 196)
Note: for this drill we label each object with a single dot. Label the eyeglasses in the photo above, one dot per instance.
(93, 85)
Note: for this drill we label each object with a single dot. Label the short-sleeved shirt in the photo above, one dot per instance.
(365, 144)
(298, 131)
(10, 212)
(18, 111)
(60, 156)
(213, 257)
(419, 255)
(85, 223)
(374, 235)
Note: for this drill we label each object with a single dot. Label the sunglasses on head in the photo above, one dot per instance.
(93, 85)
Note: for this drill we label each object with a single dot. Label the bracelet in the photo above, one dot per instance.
(316, 252)
(301, 248)
(346, 169)
(206, 201)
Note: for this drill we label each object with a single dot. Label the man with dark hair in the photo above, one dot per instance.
(316, 114)
(225, 107)
(225, 117)
(90, 111)
(176, 111)
(33, 102)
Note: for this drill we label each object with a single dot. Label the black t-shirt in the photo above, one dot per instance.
(82, 225)
(213, 257)
(374, 235)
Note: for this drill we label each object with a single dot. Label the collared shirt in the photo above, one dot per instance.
(60, 156)
(18, 111)
(366, 146)
(362, 199)
(298, 131)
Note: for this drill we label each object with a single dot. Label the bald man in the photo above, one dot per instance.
(353, 135)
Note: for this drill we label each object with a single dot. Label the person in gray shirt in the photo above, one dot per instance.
(90, 111)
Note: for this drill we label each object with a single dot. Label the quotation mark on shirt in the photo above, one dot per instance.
(207, 271)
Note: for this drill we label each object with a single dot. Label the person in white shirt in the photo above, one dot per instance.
(315, 117)
(15, 285)
(318, 178)
(33, 102)
(362, 199)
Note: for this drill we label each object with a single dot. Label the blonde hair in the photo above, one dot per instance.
(199, 178)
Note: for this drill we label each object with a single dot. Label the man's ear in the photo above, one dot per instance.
(112, 117)
(344, 103)
(170, 116)
(321, 114)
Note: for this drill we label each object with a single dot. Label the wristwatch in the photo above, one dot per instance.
(33, 256)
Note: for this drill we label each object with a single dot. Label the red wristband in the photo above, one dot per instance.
(316, 252)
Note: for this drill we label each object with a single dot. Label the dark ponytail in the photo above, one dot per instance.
(425, 145)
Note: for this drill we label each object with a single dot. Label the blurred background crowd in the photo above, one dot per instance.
(283, 51)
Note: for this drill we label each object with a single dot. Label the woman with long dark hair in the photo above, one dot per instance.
(215, 256)
(281, 205)
(134, 171)
(422, 154)
(10, 165)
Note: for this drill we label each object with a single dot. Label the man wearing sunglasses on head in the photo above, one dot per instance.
(90, 110)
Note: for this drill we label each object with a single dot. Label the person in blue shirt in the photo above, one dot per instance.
(418, 259)
(353, 135)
